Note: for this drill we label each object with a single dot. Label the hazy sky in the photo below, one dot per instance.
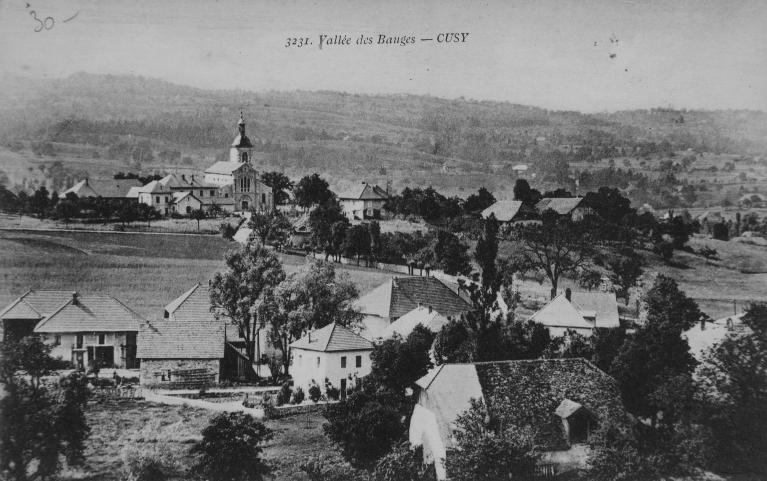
(554, 54)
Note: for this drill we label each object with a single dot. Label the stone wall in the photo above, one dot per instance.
(152, 369)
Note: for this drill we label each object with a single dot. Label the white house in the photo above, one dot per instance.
(365, 201)
(581, 312)
(428, 317)
(331, 355)
(706, 334)
(157, 195)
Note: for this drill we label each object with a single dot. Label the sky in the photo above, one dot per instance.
(587, 55)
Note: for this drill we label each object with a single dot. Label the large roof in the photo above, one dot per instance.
(36, 304)
(190, 331)
(154, 187)
(401, 295)
(702, 338)
(603, 304)
(90, 313)
(428, 318)
(586, 310)
(559, 312)
(107, 188)
(504, 210)
(333, 337)
(224, 167)
(364, 191)
(181, 182)
(560, 205)
(523, 393)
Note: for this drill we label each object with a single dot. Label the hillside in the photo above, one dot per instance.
(99, 125)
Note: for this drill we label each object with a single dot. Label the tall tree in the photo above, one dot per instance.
(280, 184)
(312, 190)
(321, 219)
(198, 215)
(357, 242)
(271, 226)
(523, 192)
(479, 201)
(251, 271)
(451, 254)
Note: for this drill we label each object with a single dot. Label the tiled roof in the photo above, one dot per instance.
(102, 188)
(604, 304)
(504, 210)
(223, 167)
(333, 337)
(430, 319)
(560, 205)
(190, 332)
(401, 295)
(133, 192)
(559, 312)
(36, 304)
(365, 191)
(91, 313)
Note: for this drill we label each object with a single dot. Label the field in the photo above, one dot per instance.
(120, 428)
(146, 271)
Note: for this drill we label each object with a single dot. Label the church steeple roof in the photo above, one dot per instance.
(242, 140)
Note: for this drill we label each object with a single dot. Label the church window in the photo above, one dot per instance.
(244, 156)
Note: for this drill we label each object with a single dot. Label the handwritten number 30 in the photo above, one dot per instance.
(44, 24)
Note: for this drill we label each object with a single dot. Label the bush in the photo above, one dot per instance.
(283, 397)
(404, 464)
(230, 448)
(227, 230)
(708, 253)
(150, 462)
(333, 393)
(298, 396)
(315, 393)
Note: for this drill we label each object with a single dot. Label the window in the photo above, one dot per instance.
(101, 338)
(79, 341)
(343, 362)
(166, 198)
(202, 193)
(57, 340)
(358, 361)
(318, 361)
(263, 198)
(244, 156)
(157, 199)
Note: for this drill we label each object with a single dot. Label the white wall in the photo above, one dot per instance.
(67, 341)
(305, 370)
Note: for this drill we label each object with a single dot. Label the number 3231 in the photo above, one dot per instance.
(297, 42)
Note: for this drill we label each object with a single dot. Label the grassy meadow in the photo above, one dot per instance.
(145, 271)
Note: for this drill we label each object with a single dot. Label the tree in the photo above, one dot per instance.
(230, 449)
(454, 343)
(280, 184)
(398, 363)
(404, 463)
(609, 204)
(451, 254)
(68, 208)
(39, 423)
(486, 254)
(127, 213)
(312, 190)
(479, 201)
(357, 242)
(272, 226)
(147, 213)
(374, 230)
(626, 267)
(486, 452)
(198, 215)
(322, 218)
(557, 247)
(40, 201)
(235, 293)
(524, 193)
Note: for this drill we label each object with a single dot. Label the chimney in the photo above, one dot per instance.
(420, 305)
(430, 309)
(310, 335)
(192, 177)
(568, 293)
(75, 300)
(183, 177)
(702, 323)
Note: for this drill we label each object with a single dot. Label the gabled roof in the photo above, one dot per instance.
(133, 192)
(603, 304)
(567, 408)
(504, 210)
(559, 312)
(224, 167)
(154, 187)
(90, 313)
(333, 337)
(701, 339)
(560, 205)
(364, 191)
(190, 332)
(107, 188)
(428, 318)
(401, 295)
(36, 304)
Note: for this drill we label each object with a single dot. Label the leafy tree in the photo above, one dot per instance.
(626, 267)
(484, 451)
(524, 193)
(556, 247)
(609, 204)
(235, 293)
(398, 363)
(198, 215)
(357, 242)
(451, 254)
(272, 226)
(322, 219)
(68, 208)
(40, 201)
(128, 213)
(404, 463)
(454, 343)
(374, 229)
(486, 254)
(479, 201)
(230, 448)
(720, 231)
(148, 213)
(337, 237)
(312, 190)
(280, 184)
(607, 343)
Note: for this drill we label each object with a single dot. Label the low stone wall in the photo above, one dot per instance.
(152, 370)
(293, 409)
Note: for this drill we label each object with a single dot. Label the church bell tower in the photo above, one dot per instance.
(241, 150)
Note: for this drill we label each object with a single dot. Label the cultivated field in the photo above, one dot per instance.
(165, 225)
(146, 271)
(117, 429)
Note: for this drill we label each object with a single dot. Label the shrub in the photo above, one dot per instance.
(230, 448)
(283, 397)
(708, 253)
(404, 464)
(315, 393)
(150, 462)
(298, 396)
(333, 393)
(227, 230)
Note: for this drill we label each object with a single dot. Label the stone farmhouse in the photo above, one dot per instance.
(563, 401)
(365, 201)
(581, 312)
(330, 356)
(400, 295)
(86, 330)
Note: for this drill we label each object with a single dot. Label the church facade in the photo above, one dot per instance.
(238, 179)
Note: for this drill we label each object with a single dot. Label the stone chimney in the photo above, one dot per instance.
(568, 294)
(75, 298)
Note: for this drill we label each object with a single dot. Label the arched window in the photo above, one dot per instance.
(244, 205)
(244, 157)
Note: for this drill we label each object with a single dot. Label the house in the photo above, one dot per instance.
(706, 334)
(106, 188)
(581, 312)
(301, 233)
(564, 206)
(20, 317)
(332, 355)
(238, 179)
(92, 330)
(184, 348)
(428, 317)
(157, 195)
(510, 211)
(400, 295)
(365, 201)
(562, 400)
